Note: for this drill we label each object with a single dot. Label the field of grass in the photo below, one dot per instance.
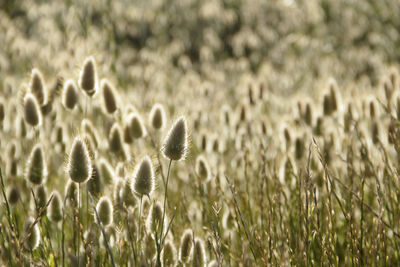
(199, 133)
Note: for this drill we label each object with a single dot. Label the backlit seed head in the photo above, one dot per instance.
(36, 169)
(143, 177)
(37, 87)
(213, 263)
(33, 240)
(55, 208)
(127, 196)
(71, 192)
(115, 139)
(79, 166)
(154, 219)
(13, 195)
(105, 211)
(109, 96)
(118, 186)
(106, 171)
(169, 254)
(70, 94)
(176, 142)
(157, 117)
(41, 196)
(202, 168)
(32, 113)
(88, 128)
(199, 254)
(127, 134)
(88, 76)
(94, 184)
(186, 246)
(136, 126)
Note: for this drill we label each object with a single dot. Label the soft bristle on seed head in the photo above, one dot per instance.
(32, 113)
(186, 246)
(143, 177)
(79, 165)
(176, 142)
(157, 117)
(36, 170)
(94, 184)
(104, 209)
(88, 76)
(109, 96)
(70, 94)
(37, 87)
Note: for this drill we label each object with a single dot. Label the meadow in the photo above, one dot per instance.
(199, 133)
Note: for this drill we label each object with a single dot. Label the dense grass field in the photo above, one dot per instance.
(199, 133)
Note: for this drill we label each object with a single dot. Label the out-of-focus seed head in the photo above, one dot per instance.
(33, 240)
(13, 195)
(127, 196)
(199, 254)
(109, 96)
(55, 208)
(87, 127)
(186, 246)
(127, 134)
(157, 117)
(37, 87)
(71, 192)
(88, 76)
(106, 171)
(115, 139)
(79, 166)
(176, 142)
(169, 254)
(36, 169)
(136, 126)
(32, 113)
(105, 211)
(41, 197)
(154, 219)
(70, 94)
(94, 184)
(202, 168)
(143, 177)
(118, 186)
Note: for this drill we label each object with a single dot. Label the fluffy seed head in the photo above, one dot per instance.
(176, 142)
(79, 165)
(154, 218)
(88, 76)
(41, 196)
(32, 113)
(136, 126)
(127, 196)
(37, 87)
(143, 177)
(55, 208)
(157, 117)
(199, 254)
(70, 94)
(202, 168)
(94, 184)
(115, 139)
(13, 195)
(169, 254)
(32, 242)
(109, 96)
(36, 169)
(186, 246)
(105, 210)
(106, 171)
(71, 192)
